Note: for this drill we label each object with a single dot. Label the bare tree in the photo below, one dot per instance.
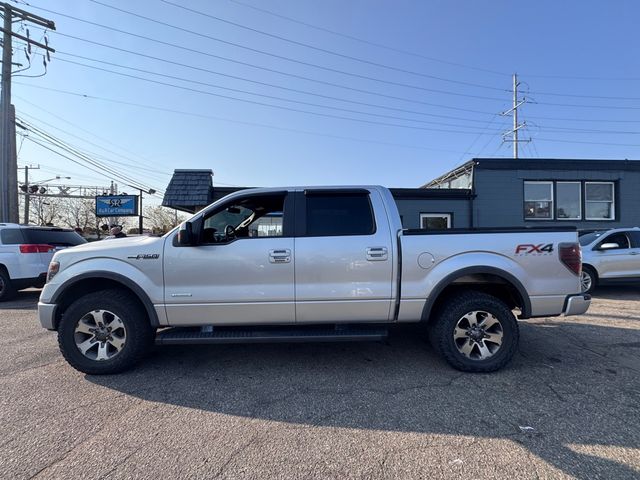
(46, 210)
(160, 219)
(79, 213)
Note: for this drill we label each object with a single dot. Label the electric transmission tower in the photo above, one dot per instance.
(511, 136)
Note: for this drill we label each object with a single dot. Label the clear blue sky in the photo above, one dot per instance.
(568, 48)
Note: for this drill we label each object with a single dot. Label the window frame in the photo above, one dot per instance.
(301, 210)
(288, 216)
(448, 216)
(580, 201)
(552, 210)
(613, 200)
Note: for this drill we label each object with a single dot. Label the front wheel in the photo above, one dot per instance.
(104, 332)
(475, 332)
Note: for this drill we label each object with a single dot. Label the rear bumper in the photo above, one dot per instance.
(576, 304)
(47, 315)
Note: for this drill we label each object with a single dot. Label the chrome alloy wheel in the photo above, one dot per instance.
(100, 335)
(478, 335)
(585, 281)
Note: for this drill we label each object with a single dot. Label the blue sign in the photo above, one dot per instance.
(117, 206)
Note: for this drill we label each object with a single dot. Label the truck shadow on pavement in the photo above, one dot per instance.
(571, 388)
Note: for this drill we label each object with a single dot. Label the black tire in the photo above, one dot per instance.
(7, 290)
(446, 322)
(138, 331)
(593, 276)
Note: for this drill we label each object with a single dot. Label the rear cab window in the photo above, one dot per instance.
(338, 213)
(55, 237)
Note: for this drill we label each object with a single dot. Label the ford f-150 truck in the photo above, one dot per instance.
(308, 264)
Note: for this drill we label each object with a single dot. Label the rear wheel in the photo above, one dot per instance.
(104, 332)
(7, 290)
(475, 332)
(588, 279)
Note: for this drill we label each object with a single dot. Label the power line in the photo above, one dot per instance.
(130, 164)
(272, 97)
(281, 107)
(80, 128)
(368, 42)
(74, 151)
(313, 47)
(274, 55)
(240, 122)
(329, 97)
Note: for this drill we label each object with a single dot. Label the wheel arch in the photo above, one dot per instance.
(491, 280)
(100, 280)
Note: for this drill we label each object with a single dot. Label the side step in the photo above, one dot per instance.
(258, 334)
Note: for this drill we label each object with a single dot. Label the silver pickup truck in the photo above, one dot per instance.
(308, 264)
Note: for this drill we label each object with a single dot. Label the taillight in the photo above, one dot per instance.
(36, 248)
(571, 256)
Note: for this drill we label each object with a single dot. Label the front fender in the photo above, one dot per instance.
(147, 287)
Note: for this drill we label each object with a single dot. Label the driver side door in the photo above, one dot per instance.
(235, 279)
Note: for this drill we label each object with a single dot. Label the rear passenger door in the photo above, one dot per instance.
(343, 257)
(635, 253)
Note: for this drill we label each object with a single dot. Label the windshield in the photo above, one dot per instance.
(587, 238)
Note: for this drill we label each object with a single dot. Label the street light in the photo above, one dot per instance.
(29, 189)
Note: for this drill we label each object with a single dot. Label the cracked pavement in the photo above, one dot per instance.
(362, 410)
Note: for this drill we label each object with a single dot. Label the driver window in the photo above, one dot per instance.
(619, 238)
(246, 217)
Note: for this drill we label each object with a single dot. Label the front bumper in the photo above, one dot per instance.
(576, 304)
(47, 315)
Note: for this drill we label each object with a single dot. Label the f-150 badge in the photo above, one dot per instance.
(145, 256)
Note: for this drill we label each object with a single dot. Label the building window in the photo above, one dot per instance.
(538, 200)
(599, 201)
(568, 201)
(435, 221)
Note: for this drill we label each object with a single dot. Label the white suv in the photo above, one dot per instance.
(25, 253)
(610, 256)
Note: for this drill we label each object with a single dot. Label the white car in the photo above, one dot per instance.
(25, 253)
(610, 256)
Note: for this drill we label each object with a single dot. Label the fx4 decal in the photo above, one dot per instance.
(540, 249)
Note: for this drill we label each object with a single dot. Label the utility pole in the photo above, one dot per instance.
(8, 161)
(27, 197)
(513, 111)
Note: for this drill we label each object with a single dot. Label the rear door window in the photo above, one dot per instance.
(11, 236)
(336, 214)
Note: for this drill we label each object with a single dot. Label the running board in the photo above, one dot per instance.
(293, 334)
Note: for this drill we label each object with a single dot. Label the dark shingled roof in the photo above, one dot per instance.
(189, 190)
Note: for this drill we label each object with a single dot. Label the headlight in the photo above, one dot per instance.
(54, 267)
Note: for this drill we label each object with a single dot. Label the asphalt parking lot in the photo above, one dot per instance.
(567, 407)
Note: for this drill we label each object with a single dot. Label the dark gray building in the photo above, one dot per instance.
(488, 192)
(548, 192)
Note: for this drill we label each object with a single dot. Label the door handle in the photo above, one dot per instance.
(280, 256)
(635, 253)
(377, 254)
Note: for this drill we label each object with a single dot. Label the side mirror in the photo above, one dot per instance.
(608, 246)
(185, 235)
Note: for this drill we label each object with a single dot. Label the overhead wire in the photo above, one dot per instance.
(312, 47)
(369, 42)
(281, 57)
(79, 154)
(230, 120)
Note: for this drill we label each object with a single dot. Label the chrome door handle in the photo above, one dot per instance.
(280, 256)
(377, 254)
